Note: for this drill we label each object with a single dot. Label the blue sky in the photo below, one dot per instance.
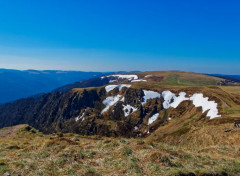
(112, 35)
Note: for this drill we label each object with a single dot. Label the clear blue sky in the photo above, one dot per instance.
(113, 35)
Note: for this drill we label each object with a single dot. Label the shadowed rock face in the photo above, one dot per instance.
(133, 97)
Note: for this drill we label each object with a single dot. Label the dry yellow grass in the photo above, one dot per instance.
(231, 89)
(29, 152)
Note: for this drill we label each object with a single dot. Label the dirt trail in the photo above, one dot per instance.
(10, 131)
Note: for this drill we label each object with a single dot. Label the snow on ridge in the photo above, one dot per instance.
(110, 87)
(200, 101)
(128, 109)
(139, 80)
(171, 100)
(147, 76)
(120, 86)
(148, 94)
(112, 81)
(129, 77)
(109, 101)
(153, 118)
(132, 78)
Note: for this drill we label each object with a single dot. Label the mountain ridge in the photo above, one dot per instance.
(148, 123)
(58, 111)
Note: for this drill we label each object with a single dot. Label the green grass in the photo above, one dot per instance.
(172, 79)
(175, 79)
(198, 82)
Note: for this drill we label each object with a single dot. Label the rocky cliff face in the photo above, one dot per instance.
(130, 109)
(81, 111)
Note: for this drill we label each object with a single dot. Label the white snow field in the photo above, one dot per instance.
(171, 100)
(139, 80)
(148, 94)
(132, 78)
(200, 101)
(129, 77)
(109, 101)
(120, 86)
(153, 118)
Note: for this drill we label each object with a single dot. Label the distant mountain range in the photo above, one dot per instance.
(235, 78)
(16, 84)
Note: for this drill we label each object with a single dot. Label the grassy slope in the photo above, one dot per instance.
(196, 132)
(28, 152)
(182, 78)
(189, 128)
(234, 91)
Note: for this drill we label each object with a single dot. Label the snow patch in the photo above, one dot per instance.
(110, 87)
(200, 101)
(128, 77)
(109, 101)
(136, 128)
(148, 94)
(147, 76)
(139, 80)
(171, 100)
(128, 109)
(123, 99)
(153, 118)
(112, 81)
(120, 86)
(80, 118)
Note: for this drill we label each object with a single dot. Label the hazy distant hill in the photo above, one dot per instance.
(235, 78)
(15, 84)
